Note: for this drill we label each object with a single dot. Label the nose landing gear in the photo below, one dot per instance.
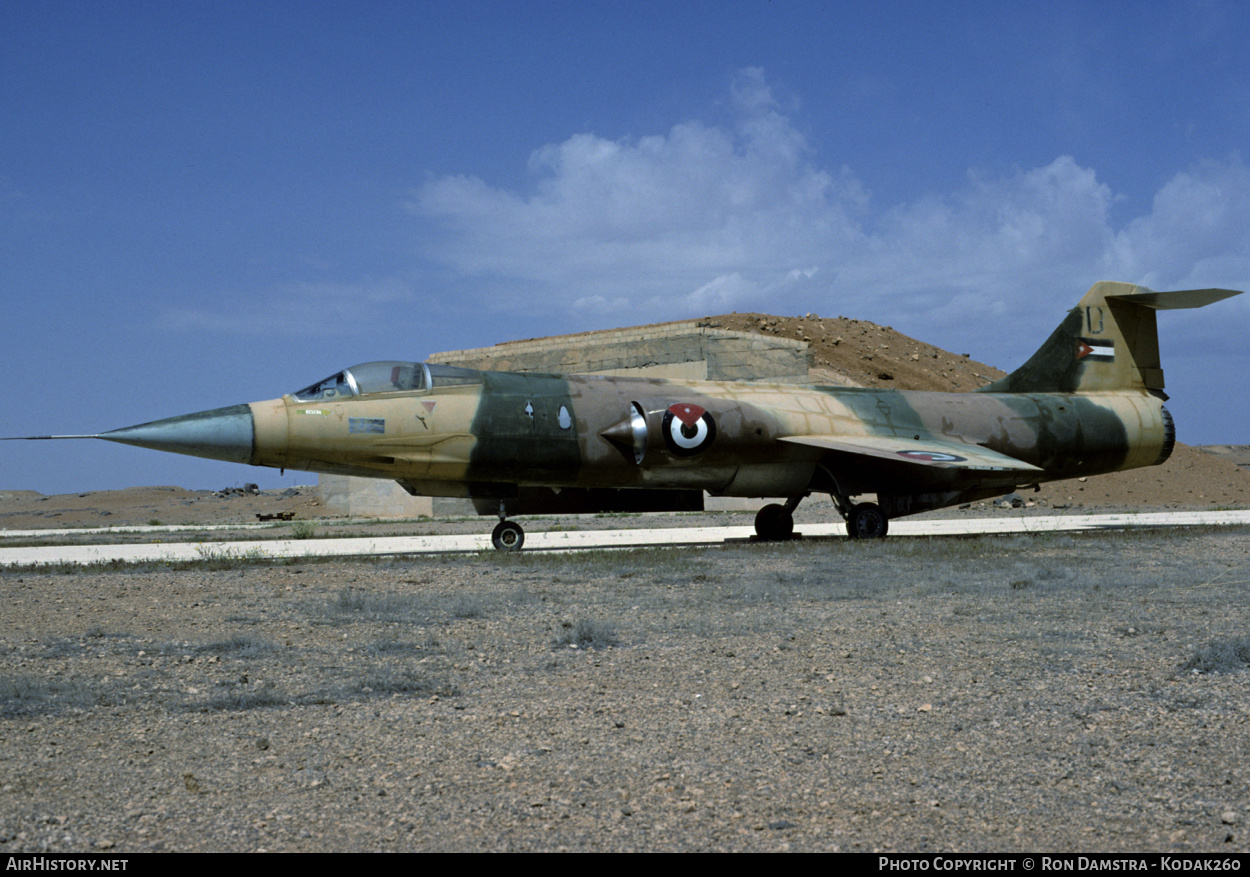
(507, 535)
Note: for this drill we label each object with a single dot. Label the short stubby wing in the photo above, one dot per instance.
(920, 452)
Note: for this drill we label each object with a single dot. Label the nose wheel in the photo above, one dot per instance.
(508, 536)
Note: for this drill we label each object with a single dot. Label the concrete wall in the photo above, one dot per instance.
(370, 498)
(683, 350)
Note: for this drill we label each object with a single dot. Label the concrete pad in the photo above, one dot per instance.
(584, 539)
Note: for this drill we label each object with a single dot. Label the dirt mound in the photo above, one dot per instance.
(1189, 479)
(857, 353)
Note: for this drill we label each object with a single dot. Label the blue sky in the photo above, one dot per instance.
(209, 203)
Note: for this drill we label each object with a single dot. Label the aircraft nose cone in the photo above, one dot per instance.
(220, 434)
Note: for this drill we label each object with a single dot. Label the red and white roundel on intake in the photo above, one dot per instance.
(688, 428)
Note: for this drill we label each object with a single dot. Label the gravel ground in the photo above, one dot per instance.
(1053, 692)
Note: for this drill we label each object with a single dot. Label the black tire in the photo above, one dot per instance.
(867, 521)
(508, 536)
(773, 523)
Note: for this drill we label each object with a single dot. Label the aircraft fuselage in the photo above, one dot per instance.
(546, 430)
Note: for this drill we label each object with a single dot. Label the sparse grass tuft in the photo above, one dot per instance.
(240, 645)
(389, 679)
(430, 645)
(586, 634)
(21, 695)
(26, 695)
(62, 647)
(213, 557)
(303, 530)
(384, 607)
(1228, 655)
(467, 606)
(239, 698)
(391, 647)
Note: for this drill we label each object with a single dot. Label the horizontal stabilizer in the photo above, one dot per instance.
(919, 452)
(1181, 298)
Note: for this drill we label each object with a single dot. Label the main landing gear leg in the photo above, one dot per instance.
(864, 520)
(775, 522)
(507, 535)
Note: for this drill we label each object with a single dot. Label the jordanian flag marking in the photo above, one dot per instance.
(1095, 349)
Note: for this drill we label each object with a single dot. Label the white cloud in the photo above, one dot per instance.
(677, 222)
(1031, 239)
(1198, 230)
(724, 293)
(744, 217)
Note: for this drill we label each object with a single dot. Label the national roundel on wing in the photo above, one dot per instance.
(932, 456)
(688, 428)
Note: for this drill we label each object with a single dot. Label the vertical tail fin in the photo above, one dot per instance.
(1109, 341)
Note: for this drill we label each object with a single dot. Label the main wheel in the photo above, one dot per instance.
(867, 521)
(508, 536)
(773, 523)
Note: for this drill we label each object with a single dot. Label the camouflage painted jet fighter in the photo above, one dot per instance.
(1089, 401)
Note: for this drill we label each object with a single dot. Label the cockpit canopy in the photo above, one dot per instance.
(387, 377)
